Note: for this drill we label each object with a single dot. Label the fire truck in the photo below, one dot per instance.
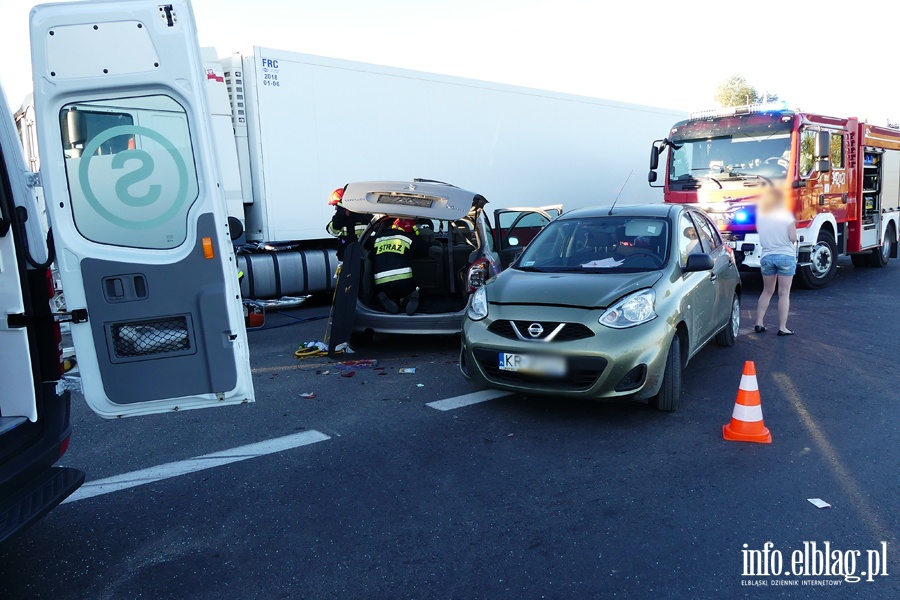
(842, 178)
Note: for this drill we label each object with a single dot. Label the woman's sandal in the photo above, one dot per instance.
(783, 333)
(759, 328)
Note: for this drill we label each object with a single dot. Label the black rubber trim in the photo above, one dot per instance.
(37, 498)
(276, 271)
(305, 272)
(251, 289)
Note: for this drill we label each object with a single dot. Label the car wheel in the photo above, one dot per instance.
(669, 395)
(727, 336)
(823, 263)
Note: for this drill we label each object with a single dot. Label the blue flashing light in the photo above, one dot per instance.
(742, 217)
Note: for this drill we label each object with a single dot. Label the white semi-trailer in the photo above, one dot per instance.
(289, 128)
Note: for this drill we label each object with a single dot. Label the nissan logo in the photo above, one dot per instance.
(535, 330)
(411, 187)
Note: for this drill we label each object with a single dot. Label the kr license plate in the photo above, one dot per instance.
(553, 366)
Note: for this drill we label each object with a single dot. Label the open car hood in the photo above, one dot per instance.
(411, 199)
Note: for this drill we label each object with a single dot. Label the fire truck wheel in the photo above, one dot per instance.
(669, 395)
(727, 336)
(880, 256)
(824, 263)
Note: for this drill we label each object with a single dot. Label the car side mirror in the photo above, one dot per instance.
(513, 241)
(698, 262)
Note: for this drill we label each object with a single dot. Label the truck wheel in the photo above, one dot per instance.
(824, 263)
(669, 395)
(880, 256)
(727, 336)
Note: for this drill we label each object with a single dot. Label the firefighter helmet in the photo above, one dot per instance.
(407, 225)
(336, 197)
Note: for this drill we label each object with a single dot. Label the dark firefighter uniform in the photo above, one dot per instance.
(392, 266)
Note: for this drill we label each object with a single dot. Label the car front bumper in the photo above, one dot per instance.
(612, 364)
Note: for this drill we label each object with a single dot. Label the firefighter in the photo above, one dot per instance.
(345, 225)
(394, 249)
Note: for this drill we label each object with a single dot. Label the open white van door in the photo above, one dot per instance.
(136, 207)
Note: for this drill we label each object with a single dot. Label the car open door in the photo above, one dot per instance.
(136, 207)
(516, 227)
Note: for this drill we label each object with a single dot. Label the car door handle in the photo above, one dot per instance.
(713, 276)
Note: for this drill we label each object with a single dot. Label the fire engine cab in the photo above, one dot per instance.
(842, 177)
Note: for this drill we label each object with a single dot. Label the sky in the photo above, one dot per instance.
(825, 56)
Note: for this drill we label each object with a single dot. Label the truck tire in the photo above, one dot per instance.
(669, 395)
(824, 263)
(880, 256)
(859, 260)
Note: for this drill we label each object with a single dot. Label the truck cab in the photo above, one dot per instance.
(841, 178)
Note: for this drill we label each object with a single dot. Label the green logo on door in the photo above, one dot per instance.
(125, 183)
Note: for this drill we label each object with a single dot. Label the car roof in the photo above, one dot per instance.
(623, 210)
(425, 199)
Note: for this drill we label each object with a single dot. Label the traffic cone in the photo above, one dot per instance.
(746, 420)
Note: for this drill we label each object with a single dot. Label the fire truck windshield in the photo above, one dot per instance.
(730, 148)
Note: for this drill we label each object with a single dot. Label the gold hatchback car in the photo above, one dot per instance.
(605, 303)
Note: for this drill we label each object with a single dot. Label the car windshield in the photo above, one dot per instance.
(746, 148)
(609, 244)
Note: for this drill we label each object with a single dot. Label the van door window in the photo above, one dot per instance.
(130, 170)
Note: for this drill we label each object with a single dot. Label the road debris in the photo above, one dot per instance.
(354, 365)
(407, 371)
(308, 395)
(818, 503)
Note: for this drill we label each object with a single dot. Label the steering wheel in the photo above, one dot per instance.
(637, 252)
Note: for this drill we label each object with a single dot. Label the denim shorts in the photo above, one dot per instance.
(782, 264)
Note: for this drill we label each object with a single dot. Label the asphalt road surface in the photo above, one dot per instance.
(366, 491)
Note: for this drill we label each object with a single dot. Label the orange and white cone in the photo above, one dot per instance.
(747, 421)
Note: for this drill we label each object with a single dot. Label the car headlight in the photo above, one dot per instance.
(478, 305)
(631, 310)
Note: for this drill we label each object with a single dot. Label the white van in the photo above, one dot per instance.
(138, 234)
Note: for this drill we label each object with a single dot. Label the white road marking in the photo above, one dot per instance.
(191, 465)
(466, 399)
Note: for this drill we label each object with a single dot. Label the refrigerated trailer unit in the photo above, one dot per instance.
(304, 125)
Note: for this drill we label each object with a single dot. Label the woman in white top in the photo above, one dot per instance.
(778, 259)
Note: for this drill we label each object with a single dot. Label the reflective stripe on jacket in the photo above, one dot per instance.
(393, 275)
